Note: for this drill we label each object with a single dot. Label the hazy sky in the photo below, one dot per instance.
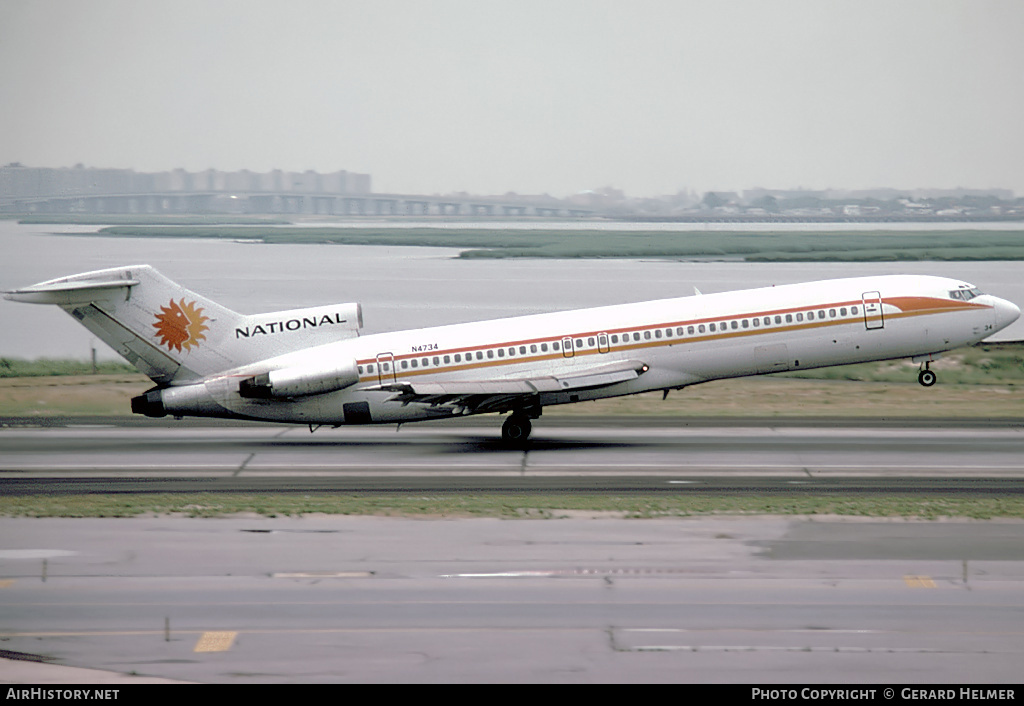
(554, 96)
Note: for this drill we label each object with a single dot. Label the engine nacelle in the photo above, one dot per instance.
(300, 381)
(194, 400)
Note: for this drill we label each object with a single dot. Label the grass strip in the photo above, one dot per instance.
(44, 367)
(770, 246)
(511, 505)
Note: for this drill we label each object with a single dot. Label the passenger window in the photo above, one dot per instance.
(490, 354)
(789, 318)
(501, 352)
(832, 313)
(479, 355)
(746, 324)
(778, 319)
(615, 338)
(359, 369)
(756, 322)
(458, 357)
(437, 361)
(853, 311)
(711, 327)
(647, 335)
(405, 365)
(447, 359)
(544, 347)
(734, 324)
(554, 346)
(842, 311)
(533, 348)
(522, 350)
(689, 329)
(414, 362)
(800, 317)
(701, 328)
(657, 333)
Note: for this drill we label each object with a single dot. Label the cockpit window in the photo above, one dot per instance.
(965, 294)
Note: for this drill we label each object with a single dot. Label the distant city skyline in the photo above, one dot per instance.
(82, 190)
(651, 97)
(362, 183)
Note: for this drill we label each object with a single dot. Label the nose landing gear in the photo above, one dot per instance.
(926, 377)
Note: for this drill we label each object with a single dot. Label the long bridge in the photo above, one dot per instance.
(291, 202)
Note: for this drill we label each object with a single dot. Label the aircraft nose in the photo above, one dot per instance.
(1006, 313)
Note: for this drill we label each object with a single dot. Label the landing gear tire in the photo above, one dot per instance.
(927, 378)
(516, 429)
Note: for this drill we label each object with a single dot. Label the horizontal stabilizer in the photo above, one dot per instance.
(64, 292)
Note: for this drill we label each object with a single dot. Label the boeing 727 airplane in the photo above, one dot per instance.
(311, 366)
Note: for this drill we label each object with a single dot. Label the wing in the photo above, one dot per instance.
(499, 395)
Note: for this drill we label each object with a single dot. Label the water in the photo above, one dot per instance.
(399, 287)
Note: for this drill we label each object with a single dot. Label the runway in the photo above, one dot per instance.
(666, 455)
(730, 600)
(751, 600)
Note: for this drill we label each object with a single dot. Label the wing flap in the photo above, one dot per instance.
(499, 394)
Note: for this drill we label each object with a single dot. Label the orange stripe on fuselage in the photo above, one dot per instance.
(908, 306)
(930, 305)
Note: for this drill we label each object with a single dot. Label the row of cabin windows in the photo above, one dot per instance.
(736, 324)
(591, 342)
(490, 354)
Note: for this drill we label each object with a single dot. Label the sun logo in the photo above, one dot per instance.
(181, 325)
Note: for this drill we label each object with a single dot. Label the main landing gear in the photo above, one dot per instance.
(516, 429)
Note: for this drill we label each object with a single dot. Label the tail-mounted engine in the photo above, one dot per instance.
(300, 381)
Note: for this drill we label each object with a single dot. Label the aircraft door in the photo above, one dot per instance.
(602, 343)
(567, 350)
(873, 310)
(386, 372)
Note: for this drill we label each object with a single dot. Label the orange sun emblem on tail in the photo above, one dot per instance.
(181, 325)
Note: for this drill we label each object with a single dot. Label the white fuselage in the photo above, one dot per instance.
(680, 342)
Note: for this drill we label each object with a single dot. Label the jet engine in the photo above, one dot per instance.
(300, 381)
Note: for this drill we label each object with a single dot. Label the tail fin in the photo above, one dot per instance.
(175, 336)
